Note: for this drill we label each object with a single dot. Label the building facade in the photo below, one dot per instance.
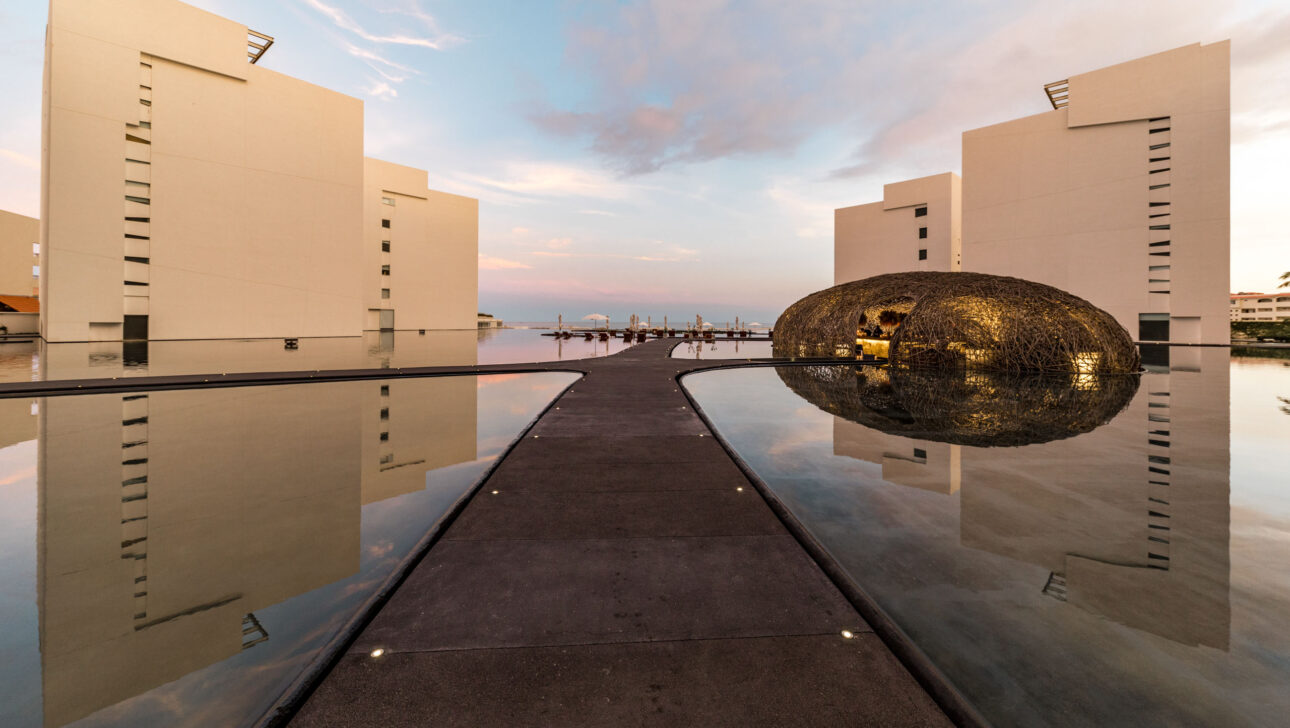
(188, 193)
(916, 227)
(420, 252)
(19, 255)
(1260, 306)
(1119, 195)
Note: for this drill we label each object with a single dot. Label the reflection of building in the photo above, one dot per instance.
(413, 426)
(1132, 518)
(921, 464)
(915, 227)
(1118, 195)
(169, 519)
(420, 252)
(19, 254)
(18, 422)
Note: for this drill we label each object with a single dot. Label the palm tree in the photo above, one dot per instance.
(1285, 280)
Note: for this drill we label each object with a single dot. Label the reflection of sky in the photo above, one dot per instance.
(1022, 657)
(238, 689)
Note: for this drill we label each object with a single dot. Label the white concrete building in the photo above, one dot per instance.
(916, 227)
(420, 252)
(1260, 306)
(188, 193)
(1120, 194)
(19, 254)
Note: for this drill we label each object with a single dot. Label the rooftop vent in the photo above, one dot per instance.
(257, 44)
(1058, 92)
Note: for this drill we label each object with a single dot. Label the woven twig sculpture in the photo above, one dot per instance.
(959, 321)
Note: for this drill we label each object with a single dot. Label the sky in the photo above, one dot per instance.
(685, 156)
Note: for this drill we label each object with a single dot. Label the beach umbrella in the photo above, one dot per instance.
(706, 324)
(753, 324)
(596, 317)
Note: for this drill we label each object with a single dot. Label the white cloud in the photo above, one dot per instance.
(22, 160)
(342, 20)
(488, 262)
(383, 90)
(557, 243)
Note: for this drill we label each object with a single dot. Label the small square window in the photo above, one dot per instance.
(385, 413)
(385, 270)
(920, 453)
(385, 390)
(920, 212)
(385, 437)
(387, 458)
(35, 248)
(922, 233)
(387, 201)
(385, 246)
(385, 223)
(385, 293)
(922, 253)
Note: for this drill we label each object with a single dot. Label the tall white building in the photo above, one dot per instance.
(1119, 194)
(916, 226)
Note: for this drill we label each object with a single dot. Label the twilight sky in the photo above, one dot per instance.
(682, 156)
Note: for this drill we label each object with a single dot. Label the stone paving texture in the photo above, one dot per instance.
(625, 572)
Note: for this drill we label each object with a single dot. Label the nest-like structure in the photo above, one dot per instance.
(978, 409)
(958, 321)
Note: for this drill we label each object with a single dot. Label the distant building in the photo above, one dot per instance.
(1260, 306)
(420, 252)
(1119, 195)
(232, 198)
(19, 254)
(916, 227)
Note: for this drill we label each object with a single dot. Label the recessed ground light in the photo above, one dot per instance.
(378, 652)
(494, 492)
(848, 634)
(740, 489)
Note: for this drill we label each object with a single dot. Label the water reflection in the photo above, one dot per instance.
(719, 348)
(194, 548)
(981, 408)
(1084, 578)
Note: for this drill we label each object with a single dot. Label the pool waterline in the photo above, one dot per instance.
(37, 360)
(1031, 576)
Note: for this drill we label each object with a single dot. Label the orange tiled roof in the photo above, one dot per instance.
(22, 304)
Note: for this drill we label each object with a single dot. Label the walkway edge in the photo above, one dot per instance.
(290, 700)
(929, 677)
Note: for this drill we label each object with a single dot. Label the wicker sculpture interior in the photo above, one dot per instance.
(958, 321)
(978, 409)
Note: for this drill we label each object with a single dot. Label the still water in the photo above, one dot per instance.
(178, 558)
(22, 362)
(1087, 552)
(722, 349)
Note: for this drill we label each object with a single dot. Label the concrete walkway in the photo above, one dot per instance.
(617, 569)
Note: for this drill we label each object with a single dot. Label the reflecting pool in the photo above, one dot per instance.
(722, 349)
(21, 362)
(1089, 552)
(178, 558)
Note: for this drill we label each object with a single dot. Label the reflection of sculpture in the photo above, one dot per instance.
(957, 320)
(982, 409)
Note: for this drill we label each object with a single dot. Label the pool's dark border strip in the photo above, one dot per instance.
(929, 677)
(289, 702)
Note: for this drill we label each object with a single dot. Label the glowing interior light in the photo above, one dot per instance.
(740, 489)
(1086, 363)
(378, 652)
(494, 492)
(848, 634)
